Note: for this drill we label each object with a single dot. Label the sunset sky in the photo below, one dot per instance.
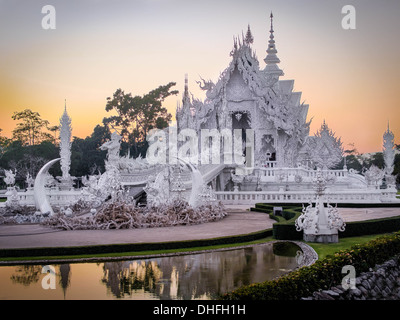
(350, 78)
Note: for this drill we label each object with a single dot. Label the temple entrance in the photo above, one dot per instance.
(242, 121)
(267, 151)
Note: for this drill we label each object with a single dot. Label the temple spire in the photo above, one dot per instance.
(65, 149)
(186, 97)
(388, 152)
(271, 56)
(249, 37)
(186, 84)
(272, 59)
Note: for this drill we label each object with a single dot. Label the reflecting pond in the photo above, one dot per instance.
(194, 276)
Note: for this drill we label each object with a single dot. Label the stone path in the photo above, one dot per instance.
(358, 214)
(30, 236)
(239, 221)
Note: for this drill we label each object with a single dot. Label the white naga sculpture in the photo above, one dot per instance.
(159, 189)
(320, 223)
(197, 184)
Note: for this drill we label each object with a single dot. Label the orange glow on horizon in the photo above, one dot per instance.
(345, 78)
(337, 109)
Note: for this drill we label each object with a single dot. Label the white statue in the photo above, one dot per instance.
(29, 180)
(112, 146)
(157, 189)
(374, 176)
(110, 181)
(10, 177)
(320, 223)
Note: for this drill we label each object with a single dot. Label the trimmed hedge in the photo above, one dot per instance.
(323, 274)
(367, 227)
(285, 229)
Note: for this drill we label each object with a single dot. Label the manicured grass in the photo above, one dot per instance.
(324, 250)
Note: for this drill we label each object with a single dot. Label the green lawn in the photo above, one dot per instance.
(324, 250)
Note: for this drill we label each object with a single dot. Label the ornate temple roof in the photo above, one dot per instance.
(273, 96)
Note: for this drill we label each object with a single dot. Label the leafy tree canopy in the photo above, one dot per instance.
(137, 115)
(30, 129)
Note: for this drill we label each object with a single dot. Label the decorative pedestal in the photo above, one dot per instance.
(66, 184)
(320, 224)
(321, 238)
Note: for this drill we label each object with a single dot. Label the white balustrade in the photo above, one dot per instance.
(356, 196)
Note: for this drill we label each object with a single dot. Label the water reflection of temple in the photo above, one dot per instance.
(198, 276)
(65, 277)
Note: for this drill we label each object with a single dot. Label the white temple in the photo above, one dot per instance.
(247, 97)
(285, 156)
(254, 106)
(253, 115)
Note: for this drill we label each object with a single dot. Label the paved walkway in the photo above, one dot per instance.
(239, 221)
(30, 236)
(358, 214)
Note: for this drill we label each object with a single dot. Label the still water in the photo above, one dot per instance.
(196, 276)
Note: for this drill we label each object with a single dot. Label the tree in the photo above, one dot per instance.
(377, 160)
(137, 115)
(352, 150)
(30, 130)
(4, 143)
(54, 129)
(351, 156)
(396, 171)
(29, 159)
(85, 153)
